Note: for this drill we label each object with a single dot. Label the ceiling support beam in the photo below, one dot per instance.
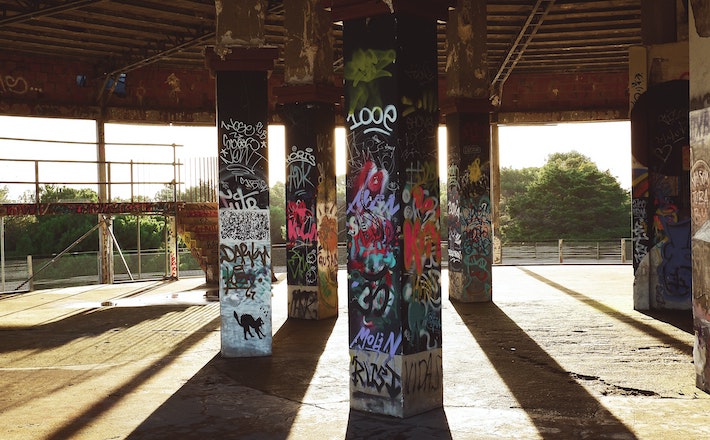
(517, 48)
(46, 12)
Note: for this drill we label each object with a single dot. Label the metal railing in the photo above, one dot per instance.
(568, 251)
(81, 268)
(190, 179)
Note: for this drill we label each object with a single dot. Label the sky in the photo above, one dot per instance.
(608, 144)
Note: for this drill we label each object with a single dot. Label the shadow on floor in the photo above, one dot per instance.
(680, 319)
(245, 398)
(559, 407)
(429, 425)
(663, 337)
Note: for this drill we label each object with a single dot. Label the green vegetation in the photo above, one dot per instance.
(568, 198)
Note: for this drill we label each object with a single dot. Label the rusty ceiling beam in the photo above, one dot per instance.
(517, 48)
(46, 12)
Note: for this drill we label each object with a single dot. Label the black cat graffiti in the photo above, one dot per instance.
(248, 322)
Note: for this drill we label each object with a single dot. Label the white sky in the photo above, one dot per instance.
(608, 144)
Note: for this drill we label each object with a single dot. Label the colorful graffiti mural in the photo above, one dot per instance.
(244, 236)
(392, 210)
(311, 211)
(470, 216)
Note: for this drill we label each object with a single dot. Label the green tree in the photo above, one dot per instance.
(568, 198)
(513, 182)
(152, 231)
(277, 212)
(51, 234)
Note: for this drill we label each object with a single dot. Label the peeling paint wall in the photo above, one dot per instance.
(467, 57)
(240, 23)
(308, 50)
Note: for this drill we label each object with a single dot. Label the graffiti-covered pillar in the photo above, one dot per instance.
(311, 210)
(392, 208)
(308, 112)
(469, 155)
(699, 36)
(244, 240)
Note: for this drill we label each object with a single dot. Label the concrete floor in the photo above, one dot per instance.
(559, 354)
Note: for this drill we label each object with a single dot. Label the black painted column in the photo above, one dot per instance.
(311, 210)
(244, 240)
(307, 106)
(470, 207)
(393, 212)
(470, 210)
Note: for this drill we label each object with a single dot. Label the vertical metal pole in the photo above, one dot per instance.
(495, 194)
(37, 182)
(108, 181)
(175, 200)
(167, 250)
(30, 273)
(105, 257)
(138, 245)
(132, 181)
(559, 250)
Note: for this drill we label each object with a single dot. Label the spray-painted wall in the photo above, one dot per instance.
(470, 215)
(244, 240)
(393, 214)
(311, 211)
(661, 195)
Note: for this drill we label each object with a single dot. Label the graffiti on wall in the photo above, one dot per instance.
(422, 257)
(311, 211)
(392, 212)
(699, 196)
(469, 210)
(373, 219)
(328, 254)
(15, 85)
(244, 236)
(662, 188)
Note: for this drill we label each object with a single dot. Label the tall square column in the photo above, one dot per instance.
(468, 127)
(393, 214)
(311, 210)
(470, 207)
(307, 106)
(244, 240)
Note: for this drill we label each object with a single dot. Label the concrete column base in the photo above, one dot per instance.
(398, 386)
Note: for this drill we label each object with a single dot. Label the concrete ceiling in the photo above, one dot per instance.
(119, 36)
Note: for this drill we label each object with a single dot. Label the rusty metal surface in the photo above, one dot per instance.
(124, 35)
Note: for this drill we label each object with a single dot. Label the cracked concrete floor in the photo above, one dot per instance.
(559, 354)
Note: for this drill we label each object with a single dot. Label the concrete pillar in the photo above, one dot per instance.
(469, 155)
(661, 165)
(495, 194)
(240, 66)
(171, 247)
(393, 212)
(699, 40)
(658, 21)
(307, 111)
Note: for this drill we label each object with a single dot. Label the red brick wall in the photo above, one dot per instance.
(573, 91)
(44, 87)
